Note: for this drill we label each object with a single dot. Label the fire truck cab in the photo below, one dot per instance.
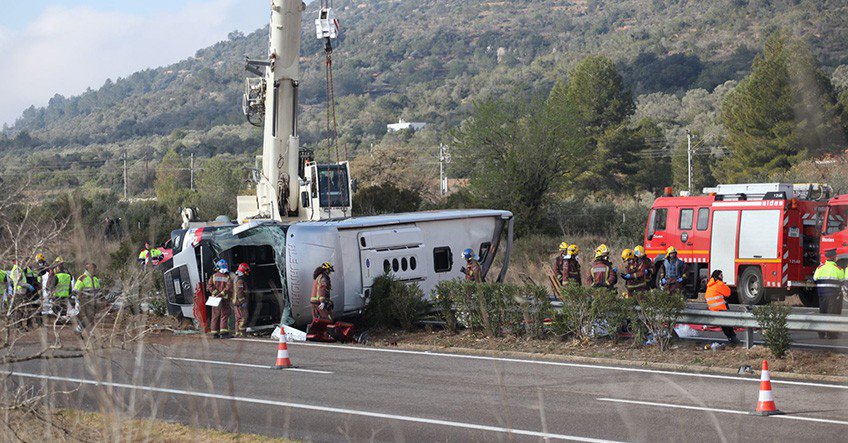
(764, 237)
(834, 229)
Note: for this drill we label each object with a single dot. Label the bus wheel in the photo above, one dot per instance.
(750, 287)
(809, 298)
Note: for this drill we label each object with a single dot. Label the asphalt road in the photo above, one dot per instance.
(348, 393)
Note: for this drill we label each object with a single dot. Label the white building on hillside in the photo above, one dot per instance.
(401, 125)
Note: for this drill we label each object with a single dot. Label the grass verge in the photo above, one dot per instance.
(74, 425)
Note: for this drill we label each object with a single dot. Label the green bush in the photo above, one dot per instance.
(394, 304)
(158, 306)
(772, 318)
(493, 308)
(486, 307)
(536, 308)
(658, 312)
(121, 258)
(576, 319)
(443, 296)
(590, 312)
(609, 312)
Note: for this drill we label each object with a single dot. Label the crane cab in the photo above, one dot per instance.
(326, 191)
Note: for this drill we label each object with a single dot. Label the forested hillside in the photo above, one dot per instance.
(430, 60)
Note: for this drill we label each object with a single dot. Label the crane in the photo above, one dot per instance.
(290, 185)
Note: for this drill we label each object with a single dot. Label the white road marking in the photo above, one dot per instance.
(725, 411)
(554, 363)
(244, 365)
(430, 421)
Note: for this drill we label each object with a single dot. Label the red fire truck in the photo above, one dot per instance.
(834, 233)
(764, 237)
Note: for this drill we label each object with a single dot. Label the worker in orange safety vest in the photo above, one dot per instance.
(716, 295)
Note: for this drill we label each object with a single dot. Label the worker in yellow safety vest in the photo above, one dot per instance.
(149, 256)
(59, 288)
(87, 291)
(4, 284)
(829, 279)
(21, 305)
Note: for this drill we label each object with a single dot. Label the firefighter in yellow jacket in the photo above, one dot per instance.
(635, 279)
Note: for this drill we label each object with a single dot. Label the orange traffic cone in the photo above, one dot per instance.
(283, 360)
(765, 405)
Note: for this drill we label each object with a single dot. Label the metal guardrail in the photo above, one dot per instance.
(740, 316)
(795, 322)
(801, 319)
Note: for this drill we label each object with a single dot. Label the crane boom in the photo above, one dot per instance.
(289, 185)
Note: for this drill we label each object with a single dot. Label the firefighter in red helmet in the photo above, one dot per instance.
(240, 299)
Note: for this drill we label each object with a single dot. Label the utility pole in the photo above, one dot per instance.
(444, 158)
(146, 171)
(125, 175)
(689, 151)
(191, 172)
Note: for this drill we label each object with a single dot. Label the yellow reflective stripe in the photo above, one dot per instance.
(759, 260)
(680, 252)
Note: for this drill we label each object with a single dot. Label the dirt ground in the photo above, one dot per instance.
(80, 426)
(682, 355)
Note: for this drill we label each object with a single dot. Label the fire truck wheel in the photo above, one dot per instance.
(659, 274)
(750, 287)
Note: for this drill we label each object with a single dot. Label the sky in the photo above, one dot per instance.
(50, 47)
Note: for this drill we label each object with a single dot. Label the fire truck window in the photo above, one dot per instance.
(703, 219)
(686, 216)
(836, 219)
(658, 219)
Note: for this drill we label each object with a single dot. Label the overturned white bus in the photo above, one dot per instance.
(424, 248)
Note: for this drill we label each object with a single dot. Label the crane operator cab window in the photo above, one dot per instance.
(333, 186)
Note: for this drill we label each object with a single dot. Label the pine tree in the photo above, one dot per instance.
(601, 107)
(784, 111)
(171, 185)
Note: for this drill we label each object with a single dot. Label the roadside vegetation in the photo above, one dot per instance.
(71, 425)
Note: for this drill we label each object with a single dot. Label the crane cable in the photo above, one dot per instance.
(332, 132)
